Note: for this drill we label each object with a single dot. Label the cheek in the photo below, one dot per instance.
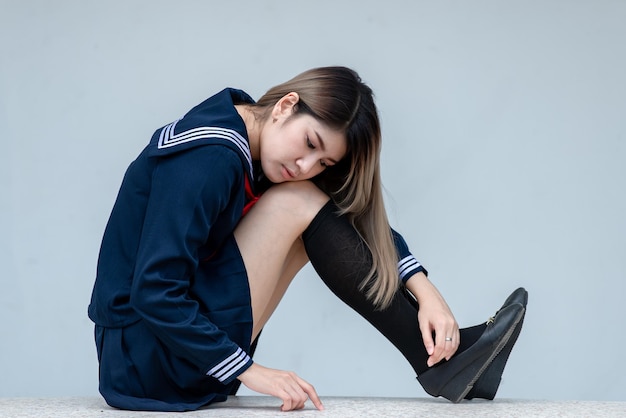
(271, 143)
(314, 172)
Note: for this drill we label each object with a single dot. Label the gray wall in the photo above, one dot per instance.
(503, 160)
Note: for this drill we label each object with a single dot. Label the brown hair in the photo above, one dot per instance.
(338, 97)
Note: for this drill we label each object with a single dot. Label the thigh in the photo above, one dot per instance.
(269, 240)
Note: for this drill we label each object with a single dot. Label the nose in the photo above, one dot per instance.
(306, 164)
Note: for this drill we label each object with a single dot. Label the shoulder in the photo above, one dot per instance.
(209, 176)
(214, 161)
(213, 122)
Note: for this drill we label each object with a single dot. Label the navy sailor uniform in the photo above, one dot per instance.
(171, 302)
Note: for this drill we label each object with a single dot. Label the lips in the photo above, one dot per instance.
(286, 173)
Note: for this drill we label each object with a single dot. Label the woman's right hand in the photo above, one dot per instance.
(287, 386)
(434, 316)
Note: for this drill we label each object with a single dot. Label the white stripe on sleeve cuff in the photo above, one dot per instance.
(230, 365)
(408, 265)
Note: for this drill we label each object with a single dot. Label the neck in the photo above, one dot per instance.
(252, 127)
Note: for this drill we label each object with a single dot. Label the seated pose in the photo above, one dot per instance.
(217, 215)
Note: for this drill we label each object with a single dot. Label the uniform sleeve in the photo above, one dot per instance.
(188, 192)
(407, 264)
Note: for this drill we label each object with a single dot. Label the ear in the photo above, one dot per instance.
(284, 107)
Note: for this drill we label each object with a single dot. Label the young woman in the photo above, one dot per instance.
(218, 214)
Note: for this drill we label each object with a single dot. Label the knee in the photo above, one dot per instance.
(301, 197)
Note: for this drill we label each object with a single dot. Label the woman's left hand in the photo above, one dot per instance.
(434, 317)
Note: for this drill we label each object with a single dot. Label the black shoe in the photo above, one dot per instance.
(487, 384)
(453, 379)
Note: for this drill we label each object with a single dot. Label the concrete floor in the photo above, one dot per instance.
(262, 406)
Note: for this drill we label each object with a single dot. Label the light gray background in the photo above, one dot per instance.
(503, 161)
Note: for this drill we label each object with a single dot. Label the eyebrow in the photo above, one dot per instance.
(322, 146)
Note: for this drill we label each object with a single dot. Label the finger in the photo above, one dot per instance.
(440, 346)
(290, 404)
(300, 399)
(449, 346)
(431, 347)
(427, 338)
(311, 393)
(287, 401)
(456, 341)
(446, 341)
(452, 342)
(297, 394)
(292, 396)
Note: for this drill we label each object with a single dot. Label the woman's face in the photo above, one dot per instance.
(298, 148)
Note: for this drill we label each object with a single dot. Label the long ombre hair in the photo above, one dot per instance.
(337, 97)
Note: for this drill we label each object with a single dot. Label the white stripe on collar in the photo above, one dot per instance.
(169, 139)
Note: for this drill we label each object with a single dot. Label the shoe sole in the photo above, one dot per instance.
(458, 396)
(486, 386)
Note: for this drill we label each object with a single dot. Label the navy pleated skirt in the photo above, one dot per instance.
(138, 372)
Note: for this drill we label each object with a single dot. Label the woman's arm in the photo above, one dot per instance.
(189, 191)
(187, 196)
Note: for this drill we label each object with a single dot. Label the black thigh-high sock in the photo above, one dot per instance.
(341, 259)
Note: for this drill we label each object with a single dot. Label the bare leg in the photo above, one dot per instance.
(269, 238)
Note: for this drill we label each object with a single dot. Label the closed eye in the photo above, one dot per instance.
(311, 145)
